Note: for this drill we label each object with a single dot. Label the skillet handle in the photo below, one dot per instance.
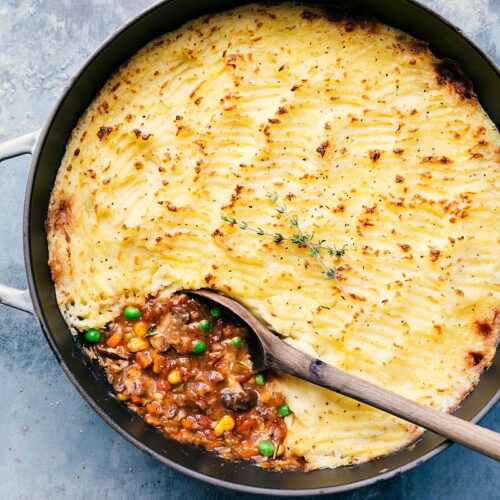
(24, 144)
(19, 299)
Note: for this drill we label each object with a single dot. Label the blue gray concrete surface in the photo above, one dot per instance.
(52, 445)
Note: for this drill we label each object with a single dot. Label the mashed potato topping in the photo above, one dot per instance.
(374, 143)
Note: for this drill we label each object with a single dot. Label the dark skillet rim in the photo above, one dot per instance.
(42, 320)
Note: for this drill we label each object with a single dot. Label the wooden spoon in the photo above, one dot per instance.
(272, 352)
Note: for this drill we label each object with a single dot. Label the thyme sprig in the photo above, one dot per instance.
(299, 237)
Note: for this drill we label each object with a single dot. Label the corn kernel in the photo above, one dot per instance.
(121, 396)
(140, 328)
(128, 337)
(174, 377)
(137, 344)
(265, 396)
(281, 450)
(158, 396)
(226, 423)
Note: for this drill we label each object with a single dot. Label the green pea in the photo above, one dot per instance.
(205, 325)
(284, 410)
(266, 448)
(198, 347)
(93, 335)
(236, 341)
(216, 312)
(260, 378)
(131, 313)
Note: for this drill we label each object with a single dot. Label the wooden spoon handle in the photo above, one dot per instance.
(294, 362)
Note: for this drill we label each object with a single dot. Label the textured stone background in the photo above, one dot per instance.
(52, 445)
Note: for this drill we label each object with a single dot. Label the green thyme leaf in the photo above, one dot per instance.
(331, 273)
(151, 330)
(273, 197)
(231, 220)
(314, 251)
(337, 252)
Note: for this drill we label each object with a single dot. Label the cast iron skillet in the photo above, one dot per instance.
(47, 148)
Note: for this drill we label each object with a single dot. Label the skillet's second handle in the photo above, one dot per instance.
(25, 144)
(292, 361)
(19, 299)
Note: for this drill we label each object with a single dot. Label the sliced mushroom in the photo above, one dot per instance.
(170, 330)
(172, 411)
(159, 342)
(119, 386)
(114, 353)
(114, 366)
(182, 314)
(239, 399)
(201, 404)
(132, 380)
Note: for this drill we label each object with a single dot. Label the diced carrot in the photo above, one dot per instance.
(204, 421)
(135, 398)
(249, 452)
(144, 358)
(163, 385)
(158, 362)
(243, 377)
(153, 408)
(247, 424)
(188, 422)
(210, 434)
(115, 339)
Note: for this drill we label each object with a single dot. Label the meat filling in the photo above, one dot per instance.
(186, 369)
